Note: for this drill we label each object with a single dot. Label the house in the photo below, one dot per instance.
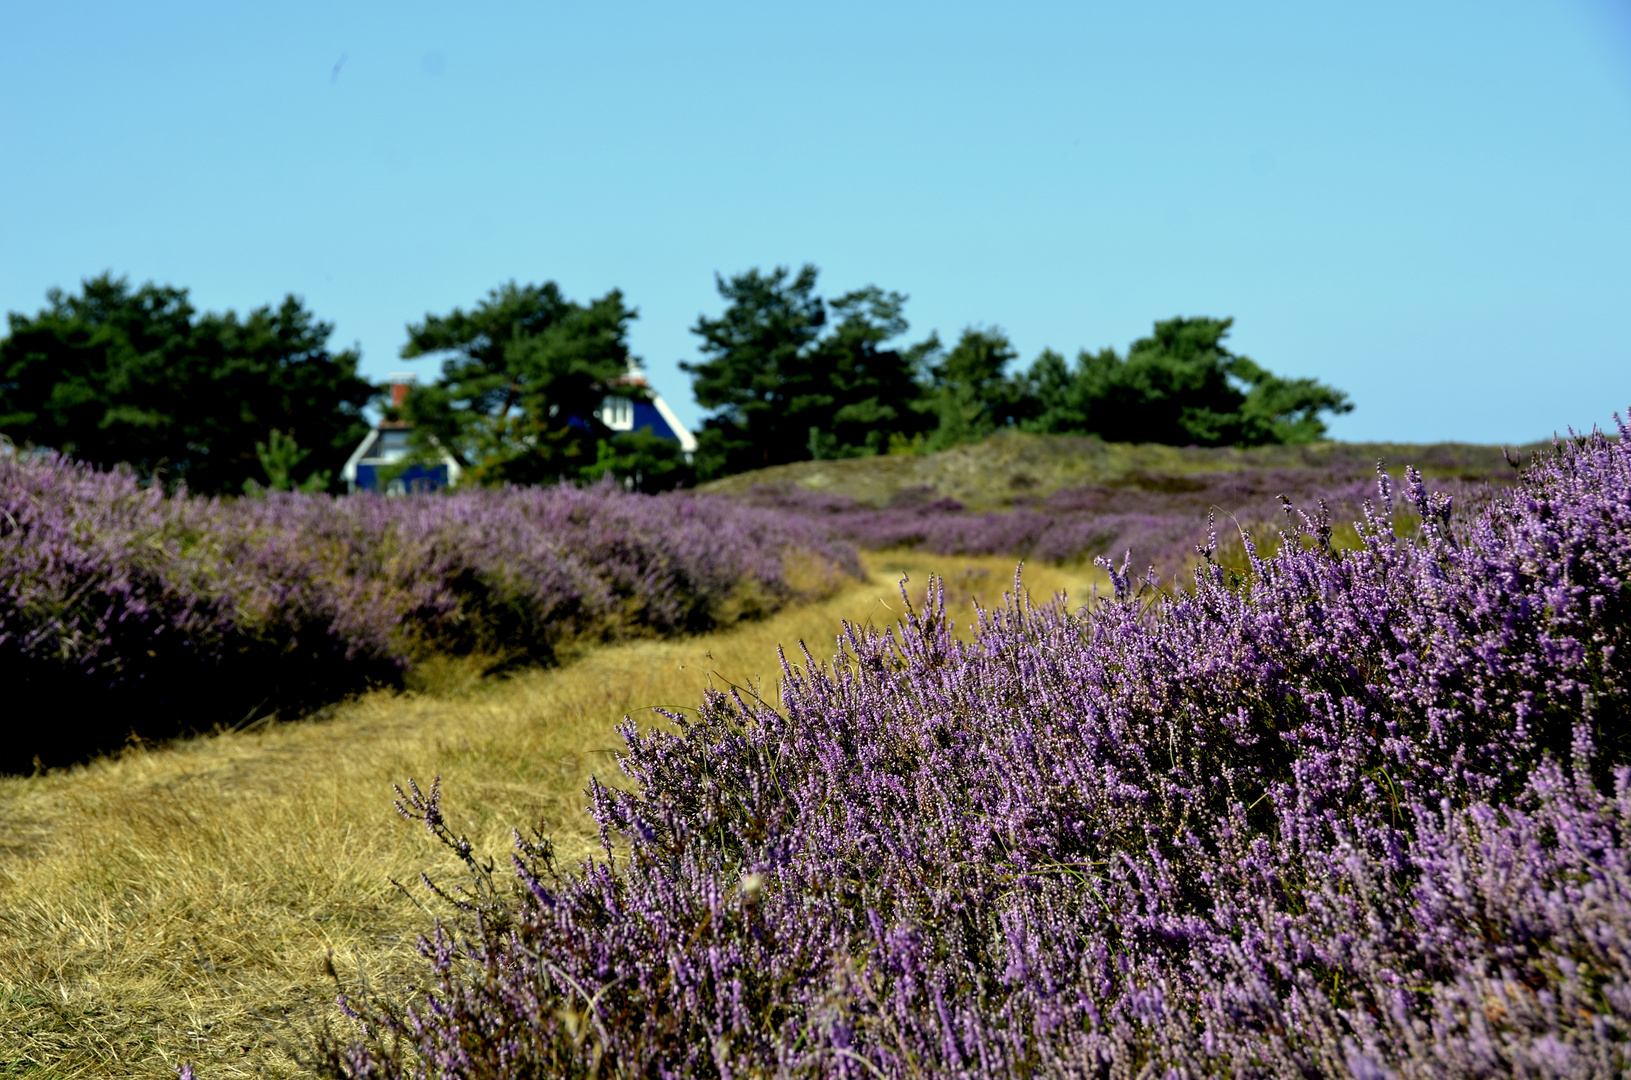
(625, 414)
(382, 450)
(380, 454)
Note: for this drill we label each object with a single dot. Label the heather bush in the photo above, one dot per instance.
(1158, 517)
(1353, 813)
(122, 608)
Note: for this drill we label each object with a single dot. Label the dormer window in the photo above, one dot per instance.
(393, 445)
(617, 413)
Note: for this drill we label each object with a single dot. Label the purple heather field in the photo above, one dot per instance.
(1357, 812)
(123, 606)
(1157, 519)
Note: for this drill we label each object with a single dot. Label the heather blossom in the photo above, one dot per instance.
(1350, 813)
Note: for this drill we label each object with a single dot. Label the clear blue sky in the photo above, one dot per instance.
(1426, 204)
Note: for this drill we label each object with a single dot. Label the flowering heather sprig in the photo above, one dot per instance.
(1360, 813)
(120, 605)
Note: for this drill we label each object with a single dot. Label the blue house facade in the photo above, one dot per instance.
(626, 414)
(376, 463)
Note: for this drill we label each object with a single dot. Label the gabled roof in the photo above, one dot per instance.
(387, 444)
(626, 414)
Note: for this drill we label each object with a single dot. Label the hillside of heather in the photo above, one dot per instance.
(1065, 499)
(1356, 811)
(1333, 785)
(126, 610)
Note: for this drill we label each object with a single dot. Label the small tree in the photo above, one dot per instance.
(519, 394)
(642, 461)
(874, 390)
(1280, 410)
(790, 383)
(969, 390)
(280, 456)
(1180, 386)
(761, 372)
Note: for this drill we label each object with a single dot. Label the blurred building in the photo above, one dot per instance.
(626, 414)
(377, 463)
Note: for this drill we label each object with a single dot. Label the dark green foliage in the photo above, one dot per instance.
(789, 384)
(761, 373)
(1285, 411)
(643, 461)
(117, 374)
(1180, 386)
(968, 389)
(1063, 398)
(873, 388)
(518, 397)
(787, 391)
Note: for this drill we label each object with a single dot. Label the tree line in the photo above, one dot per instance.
(792, 376)
(227, 403)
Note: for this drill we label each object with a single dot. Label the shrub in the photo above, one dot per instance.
(1157, 517)
(125, 609)
(1359, 813)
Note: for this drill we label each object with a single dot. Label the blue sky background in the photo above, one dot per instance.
(1428, 205)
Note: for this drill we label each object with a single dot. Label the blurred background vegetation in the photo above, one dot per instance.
(229, 404)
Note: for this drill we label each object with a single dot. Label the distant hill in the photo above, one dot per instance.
(1012, 465)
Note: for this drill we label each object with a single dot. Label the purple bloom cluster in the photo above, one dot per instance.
(1359, 813)
(123, 607)
(1157, 517)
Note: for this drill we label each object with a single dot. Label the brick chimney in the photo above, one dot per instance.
(401, 383)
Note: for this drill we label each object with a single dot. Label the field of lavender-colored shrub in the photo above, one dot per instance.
(1357, 813)
(123, 608)
(1157, 517)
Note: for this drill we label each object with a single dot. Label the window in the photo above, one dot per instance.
(617, 413)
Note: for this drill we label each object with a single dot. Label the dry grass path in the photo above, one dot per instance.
(178, 903)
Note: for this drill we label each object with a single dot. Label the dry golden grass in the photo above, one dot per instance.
(177, 904)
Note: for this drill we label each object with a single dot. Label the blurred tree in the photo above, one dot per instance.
(789, 386)
(873, 389)
(969, 391)
(117, 374)
(1061, 399)
(518, 397)
(641, 461)
(1179, 386)
(280, 455)
(1280, 410)
(761, 372)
